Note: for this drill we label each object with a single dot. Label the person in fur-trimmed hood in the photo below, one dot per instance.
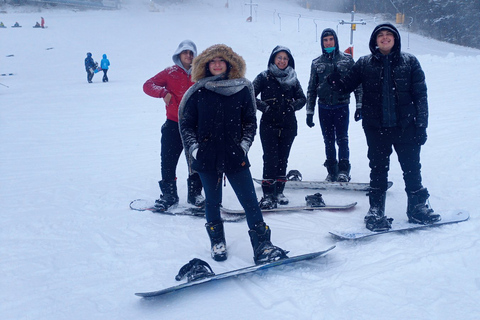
(218, 124)
(395, 116)
(170, 85)
(281, 95)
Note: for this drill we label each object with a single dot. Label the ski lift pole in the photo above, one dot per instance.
(251, 4)
(353, 27)
(409, 26)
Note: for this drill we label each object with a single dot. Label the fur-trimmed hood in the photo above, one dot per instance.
(236, 66)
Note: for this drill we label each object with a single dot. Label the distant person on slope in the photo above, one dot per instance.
(104, 65)
(395, 115)
(281, 95)
(90, 66)
(333, 106)
(170, 85)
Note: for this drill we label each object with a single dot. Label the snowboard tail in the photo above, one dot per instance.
(401, 226)
(235, 273)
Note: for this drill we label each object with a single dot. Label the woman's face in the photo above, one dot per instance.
(217, 66)
(281, 60)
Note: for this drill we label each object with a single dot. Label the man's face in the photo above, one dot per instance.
(385, 41)
(186, 58)
(328, 41)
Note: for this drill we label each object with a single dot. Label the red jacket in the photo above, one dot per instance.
(173, 80)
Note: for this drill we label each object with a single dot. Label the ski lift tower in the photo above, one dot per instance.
(251, 4)
(353, 27)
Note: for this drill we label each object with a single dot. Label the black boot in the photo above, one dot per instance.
(169, 197)
(263, 250)
(418, 211)
(343, 171)
(280, 186)
(195, 191)
(268, 200)
(332, 169)
(375, 220)
(217, 240)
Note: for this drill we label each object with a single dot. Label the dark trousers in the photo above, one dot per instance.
(276, 144)
(171, 149)
(380, 142)
(334, 124)
(105, 78)
(90, 75)
(242, 184)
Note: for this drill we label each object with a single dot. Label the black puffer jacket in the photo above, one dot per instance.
(407, 83)
(217, 114)
(323, 66)
(278, 104)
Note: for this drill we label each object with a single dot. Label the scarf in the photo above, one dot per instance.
(286, 77)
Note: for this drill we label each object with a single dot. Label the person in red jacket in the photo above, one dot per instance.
(170, 85)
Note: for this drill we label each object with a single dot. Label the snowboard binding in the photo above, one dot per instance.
(195, 269)
(294, 175)
(315, 200)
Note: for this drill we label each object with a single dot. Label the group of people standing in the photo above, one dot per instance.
(211, 114)
(92, 67)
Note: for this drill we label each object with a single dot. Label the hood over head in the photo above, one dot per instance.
(104, 56)
(236, 66)
(277, 49)
(184, 45)
(329, 32)
(89, 54)
(385, 26)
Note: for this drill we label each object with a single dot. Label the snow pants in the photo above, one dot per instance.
(276, 145)
(380, 142)
(334, 124)
(105, 78)
(244, 189)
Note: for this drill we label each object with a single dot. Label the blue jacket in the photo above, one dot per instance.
(105, 63)
(89, 63)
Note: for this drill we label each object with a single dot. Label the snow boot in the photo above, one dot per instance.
(419, 210)
(217, 240)
(195, 191)
(375, 220)
(268, 201)
(343, 171)
(263, 250)
(169, 198)
(280, 186)
(332, 169)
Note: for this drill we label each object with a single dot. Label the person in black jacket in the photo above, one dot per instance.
(333, 109)
(218, 123)
(281, 95)
(395, 114)
(90, 66)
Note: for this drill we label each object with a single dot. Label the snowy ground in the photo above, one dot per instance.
(73, 155)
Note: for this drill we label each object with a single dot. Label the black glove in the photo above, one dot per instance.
(358, 114)
(310, 120)
(421, 135)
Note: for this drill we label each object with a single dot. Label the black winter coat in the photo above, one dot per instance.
(278, 105)
(217, 124)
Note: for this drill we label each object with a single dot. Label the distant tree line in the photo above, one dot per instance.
(453, 21)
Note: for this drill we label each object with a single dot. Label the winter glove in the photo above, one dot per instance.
(358, 114)
(310, 120)
(245, 146)
(421, 135)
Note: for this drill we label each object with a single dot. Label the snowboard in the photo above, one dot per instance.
(148, 205)
(235, 273)
(325, 185)
(401, 226)
(292, 208)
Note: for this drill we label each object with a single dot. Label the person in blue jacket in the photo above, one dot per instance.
(104, 64)
(90, 66)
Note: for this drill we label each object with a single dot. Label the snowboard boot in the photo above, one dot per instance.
(419, 210)
(263, 250)
(375, 220)
(195, 191)
(280, 185)
(343, 171)
(169, 198)
(332, 169)
(268, 200)
(217, 240)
